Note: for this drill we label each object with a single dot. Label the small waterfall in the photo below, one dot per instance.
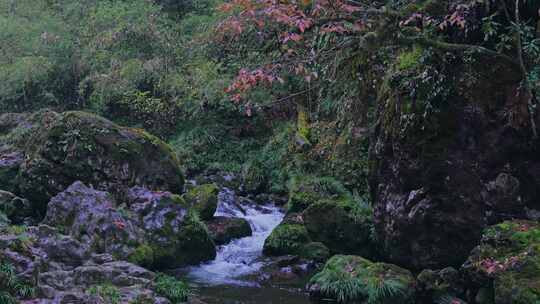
(242, 256)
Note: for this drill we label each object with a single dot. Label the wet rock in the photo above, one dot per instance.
(204, 199)
(353, 279)
(61, 148)
(505, 267)
(225, 229)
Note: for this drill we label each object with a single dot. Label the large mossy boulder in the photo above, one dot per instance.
(204, 199)
(353, 279)
(343, 226)
(505, 267)
(61, 148)
(152, 229)
(446, 165)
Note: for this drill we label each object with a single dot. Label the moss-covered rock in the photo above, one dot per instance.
(194, 244)
(225, 229)
(286, 239)
(353, 279)
(203, 199)
(343, 226)
(315, 251)
(61, 148)
(506, 264)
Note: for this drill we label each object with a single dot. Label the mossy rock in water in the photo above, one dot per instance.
(286, 239)
(343, 226)
(203, 199)
(225, 229)
(71, 146)
(507, 263)
(353, 279)
(307, 190)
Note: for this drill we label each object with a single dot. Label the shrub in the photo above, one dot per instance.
(174, 290)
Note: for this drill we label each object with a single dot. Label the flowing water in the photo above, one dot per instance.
(225, 279)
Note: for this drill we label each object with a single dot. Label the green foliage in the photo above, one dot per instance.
(107, 292)
(143, 255)
(11, 286)
(351, 279)
(410, 59)
(169, 287)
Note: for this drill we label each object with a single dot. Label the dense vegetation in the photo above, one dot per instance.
(397, 130)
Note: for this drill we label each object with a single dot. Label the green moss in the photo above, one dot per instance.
(353, 279)
(203, 199)
(509, 258)
(410, 60)
(315, 251)
(307, 190)
(143, 256)
(286, 239)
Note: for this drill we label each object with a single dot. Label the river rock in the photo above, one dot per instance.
(58, 149)
(225, 229)
(155, 229)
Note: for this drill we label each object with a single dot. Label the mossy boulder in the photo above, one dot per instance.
(343, 226)
(286, 238)
(61, 148)
(353, 279)
(203, 199)
(315, 251)
(505, 267)
(225, 229)
(307, 190)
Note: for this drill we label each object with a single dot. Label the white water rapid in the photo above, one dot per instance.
(242, 256)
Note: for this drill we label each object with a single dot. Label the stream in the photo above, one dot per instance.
(230, 277)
